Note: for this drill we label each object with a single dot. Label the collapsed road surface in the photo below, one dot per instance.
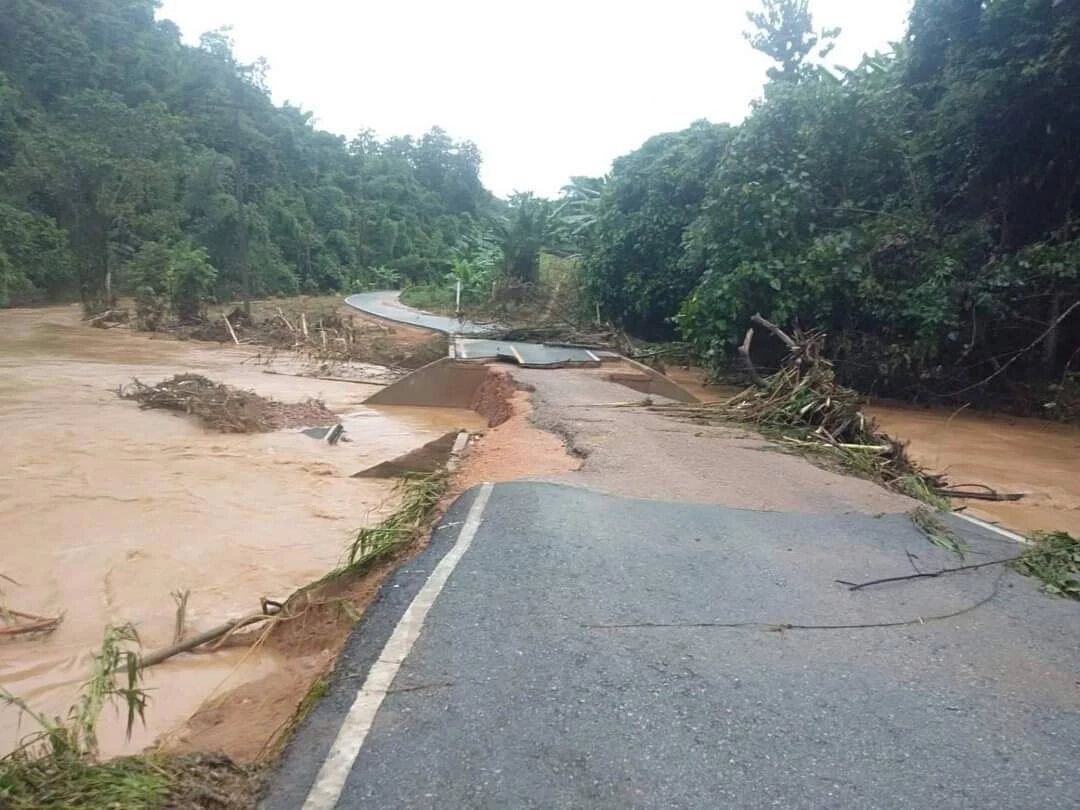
(564, 646)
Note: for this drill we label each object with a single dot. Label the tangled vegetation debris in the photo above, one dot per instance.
(225, 409)
(940, 535)
(1054, 558)
(809, 410)
(321, 332)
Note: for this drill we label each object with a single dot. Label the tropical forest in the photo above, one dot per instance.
(919, 209)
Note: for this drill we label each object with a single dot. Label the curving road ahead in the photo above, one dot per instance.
(387, 304)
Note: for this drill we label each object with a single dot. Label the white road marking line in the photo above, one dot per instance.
(335, 770)
(1016, 538)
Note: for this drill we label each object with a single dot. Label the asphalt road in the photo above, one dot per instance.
(594, 651)
(387, 304)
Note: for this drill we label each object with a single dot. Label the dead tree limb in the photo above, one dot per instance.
(31, 623)
(1001, 369)
(181, 599)
(986, 493)
(155, 658)
(744, 350)
(285, 320)
(776, 330)
(232, 332)
(853, 586)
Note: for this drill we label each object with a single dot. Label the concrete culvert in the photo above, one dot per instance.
(422, 461)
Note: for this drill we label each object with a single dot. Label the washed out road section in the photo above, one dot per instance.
(600, 651)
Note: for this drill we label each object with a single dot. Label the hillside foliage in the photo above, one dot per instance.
(921, 208)
(131, 162)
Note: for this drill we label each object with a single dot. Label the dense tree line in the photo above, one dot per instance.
(921, 208)
(130, 162)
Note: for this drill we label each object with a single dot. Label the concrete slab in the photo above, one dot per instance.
(445, 383)
(526, 355)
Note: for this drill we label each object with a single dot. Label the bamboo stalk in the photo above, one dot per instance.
(232, 332)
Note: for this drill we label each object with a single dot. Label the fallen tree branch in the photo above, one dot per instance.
(232, 332)
(852, 586)
(285, 320)
(31, 623)
(43, 625)
(181, 599)
(744, 351)
(957, 491)
(213, 634)
(781, 627)
(1001, 369)
(776, 330)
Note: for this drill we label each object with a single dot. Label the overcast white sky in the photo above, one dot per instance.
(546, 90)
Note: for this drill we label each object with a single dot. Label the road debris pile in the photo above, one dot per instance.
(809, 410)
(322, 337)
(226, 409)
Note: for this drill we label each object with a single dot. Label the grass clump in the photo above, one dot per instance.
(69, 782)
(56, 766)
(940, 535)
(419, 496)
(1054, 558)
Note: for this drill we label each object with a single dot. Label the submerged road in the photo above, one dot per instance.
(387, 304)
(554, 647)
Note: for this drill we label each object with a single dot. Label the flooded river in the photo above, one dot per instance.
(1010, 454)
(106, 510)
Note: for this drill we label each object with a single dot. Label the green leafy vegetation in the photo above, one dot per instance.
(419, 497)
(132, 163)
(1054, 558)
(919, 208)
(940, 535)
(56, 766)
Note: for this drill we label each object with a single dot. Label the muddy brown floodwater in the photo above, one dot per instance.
(105, 510)
(1037, 458)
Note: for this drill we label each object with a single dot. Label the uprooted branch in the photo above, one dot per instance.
(222, 631)
(744, 352)
(776, 330)
(18, 623)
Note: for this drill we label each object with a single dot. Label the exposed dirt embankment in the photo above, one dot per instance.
(494, 398)
(514, 448)
(250, 723)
